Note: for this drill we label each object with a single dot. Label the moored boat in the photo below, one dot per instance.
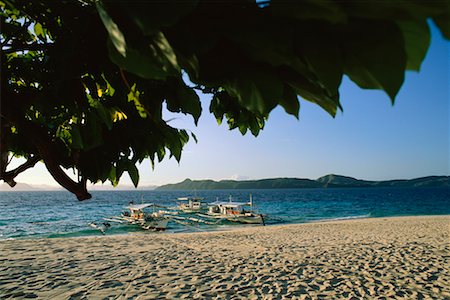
(234, 212)
(138, 215)
(191, 204)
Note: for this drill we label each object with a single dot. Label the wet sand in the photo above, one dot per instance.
(402, 258)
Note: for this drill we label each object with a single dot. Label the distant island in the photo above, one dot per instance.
(328, 181)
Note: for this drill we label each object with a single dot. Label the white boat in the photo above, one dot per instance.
(191, 204)
(234, 211)
(137, 215)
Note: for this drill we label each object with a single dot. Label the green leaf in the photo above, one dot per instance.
(417, 40)
(105, 115)
(190, 65)
(194, 137)
(290, 102)
(115, 35)
(121, 166)
(133, 96)
(272, 43)
(77, 141)
(181, 98)
(91, 132)
(134, 174)
(109, 88)
(322, 56)
(255, 125)
(161, 152)
(155, 59)
(243, 129)
(38, 30)
(374, 59)
(257, 91)
(151, 16)
(312, 92)
(112, 176)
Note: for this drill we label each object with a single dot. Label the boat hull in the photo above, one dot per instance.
(157, 225)
(238, 218)
(257, 219)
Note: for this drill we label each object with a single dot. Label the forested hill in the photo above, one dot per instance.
(328, 181)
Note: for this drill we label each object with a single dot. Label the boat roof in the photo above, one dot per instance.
(190, 198)
(139, 206)
(229, 204)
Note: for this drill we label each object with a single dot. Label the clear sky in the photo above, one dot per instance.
(370, 140)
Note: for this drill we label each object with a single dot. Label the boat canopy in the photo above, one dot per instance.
(139, 206)
(228, 204)
(190, 199)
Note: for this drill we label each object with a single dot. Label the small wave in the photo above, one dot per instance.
(345, 218)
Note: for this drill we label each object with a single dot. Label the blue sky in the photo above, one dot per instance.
(370, 139)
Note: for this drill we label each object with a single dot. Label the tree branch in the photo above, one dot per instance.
(9, 176)
(44, 145)
(25, 25)
(124, 79)
(79, 189)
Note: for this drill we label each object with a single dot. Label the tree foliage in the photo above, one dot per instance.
(83, 83)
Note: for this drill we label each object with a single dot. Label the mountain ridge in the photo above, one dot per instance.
(327, 181)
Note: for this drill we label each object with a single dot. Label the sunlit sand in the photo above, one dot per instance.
(404, 258)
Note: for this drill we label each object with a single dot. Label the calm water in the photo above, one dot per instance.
(59, 214)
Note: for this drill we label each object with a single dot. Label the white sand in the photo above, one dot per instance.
(404, 258)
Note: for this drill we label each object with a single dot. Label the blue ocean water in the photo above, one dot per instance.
(59, 214)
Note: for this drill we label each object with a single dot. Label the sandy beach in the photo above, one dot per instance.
(402, 258)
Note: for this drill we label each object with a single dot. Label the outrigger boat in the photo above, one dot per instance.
(155, 220)
(191, 204)
(194, 213)
(234, 211)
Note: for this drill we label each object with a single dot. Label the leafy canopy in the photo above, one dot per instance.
(84, 82)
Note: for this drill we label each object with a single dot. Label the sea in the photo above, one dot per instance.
(58, 214)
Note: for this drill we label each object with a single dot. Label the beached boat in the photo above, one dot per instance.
(234, 211)
(192, 204)
(138, 215)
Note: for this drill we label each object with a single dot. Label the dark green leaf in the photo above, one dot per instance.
(77, 141)
(183, 99)
(322, 56)
(259, 92)
(312, 92)
(112, 177)
(105, 115)
(156, 60)
(115, 35)
(375, 60)
(290, 102)
(417, 40)
(134, 174)
(91, 132)
(150, 17)
(194, 137)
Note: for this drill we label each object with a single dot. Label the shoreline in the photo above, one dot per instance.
(400, 257)
(229, 228)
